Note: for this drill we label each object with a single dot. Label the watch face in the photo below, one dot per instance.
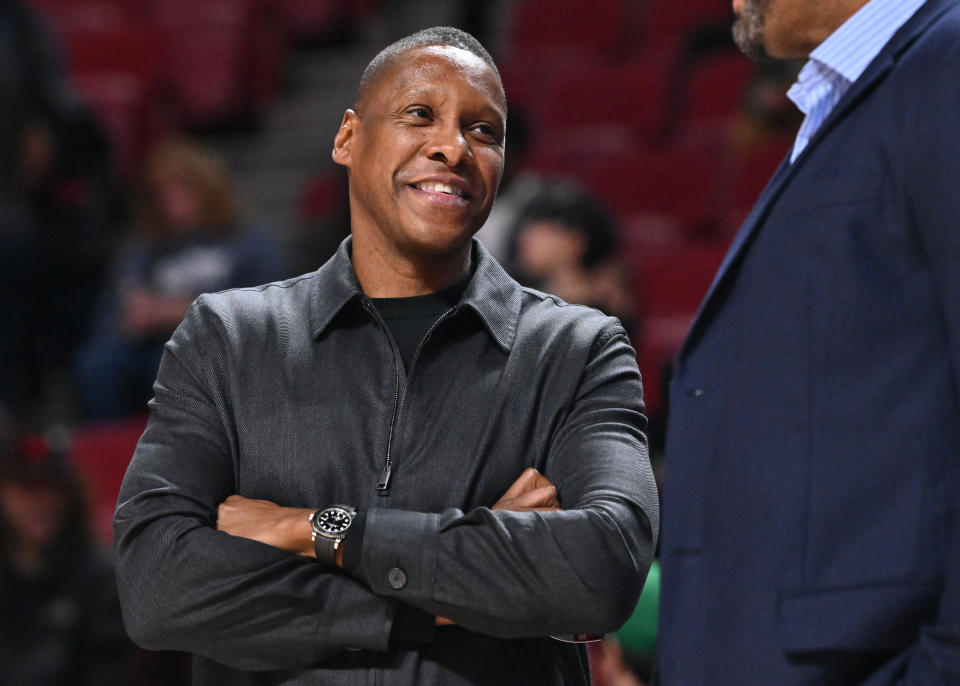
(334, 521)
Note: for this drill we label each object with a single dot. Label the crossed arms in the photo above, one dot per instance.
(288, 528)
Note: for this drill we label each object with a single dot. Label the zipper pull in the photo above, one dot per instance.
(384, 482)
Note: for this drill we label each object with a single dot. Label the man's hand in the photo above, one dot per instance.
(531, 491)
(287, 528)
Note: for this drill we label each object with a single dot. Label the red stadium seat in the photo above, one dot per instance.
(101, 455)
(130, 48)
(677, 181)
(211, 56)
(717, 86)
(671, 284)
(117, 71)
(205, 67)
(600, 26)
(69, 16)
(667, 23)
(592, 103)
(313, 19)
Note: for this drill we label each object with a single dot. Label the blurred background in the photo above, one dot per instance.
(153, 150)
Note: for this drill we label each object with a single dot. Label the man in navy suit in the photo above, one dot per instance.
(812, 491)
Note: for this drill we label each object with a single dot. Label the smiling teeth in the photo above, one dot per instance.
(441, 188)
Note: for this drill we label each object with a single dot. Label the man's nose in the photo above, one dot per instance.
(448, 145)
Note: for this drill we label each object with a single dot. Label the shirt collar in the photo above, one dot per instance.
(491, 293)
(850, 49)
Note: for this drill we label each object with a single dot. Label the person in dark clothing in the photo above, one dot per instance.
(57, 208)
(59, 613)
(404, 467)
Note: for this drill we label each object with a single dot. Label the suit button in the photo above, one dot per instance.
(695, 392)
(397, 578)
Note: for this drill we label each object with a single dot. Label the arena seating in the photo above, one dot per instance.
(145, 66)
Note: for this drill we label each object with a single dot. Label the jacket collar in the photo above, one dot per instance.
(491, 293)
(494, 296)
(875, 72)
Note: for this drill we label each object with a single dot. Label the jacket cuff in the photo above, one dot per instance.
(353, 544)
(399, 557)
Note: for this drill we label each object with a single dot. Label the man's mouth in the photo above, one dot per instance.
(436, 187)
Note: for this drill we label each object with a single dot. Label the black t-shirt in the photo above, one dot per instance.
(410, 318)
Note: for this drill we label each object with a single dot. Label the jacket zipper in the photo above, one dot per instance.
(383, 484)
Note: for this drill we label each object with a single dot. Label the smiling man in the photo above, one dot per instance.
(403, 468)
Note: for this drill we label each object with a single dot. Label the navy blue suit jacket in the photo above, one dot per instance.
(811, 519)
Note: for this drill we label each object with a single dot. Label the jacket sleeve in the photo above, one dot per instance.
(512, 574)
(186, 586)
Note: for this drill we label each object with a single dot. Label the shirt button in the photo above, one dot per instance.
(397, 578)
(695, 393)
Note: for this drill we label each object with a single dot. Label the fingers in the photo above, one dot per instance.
(525, 482)
(531, 491)
(225, 510)
(543, 498)
(529, 480)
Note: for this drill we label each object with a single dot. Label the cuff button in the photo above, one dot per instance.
(397, 578)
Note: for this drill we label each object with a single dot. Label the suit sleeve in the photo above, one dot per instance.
(513, 574)
(186, 586)
(932, 176)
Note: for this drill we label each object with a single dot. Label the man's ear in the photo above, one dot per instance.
(343, 141)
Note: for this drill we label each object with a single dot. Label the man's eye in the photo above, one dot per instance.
(486, 130)
(422, 112)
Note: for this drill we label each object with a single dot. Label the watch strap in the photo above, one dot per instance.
(326, 549)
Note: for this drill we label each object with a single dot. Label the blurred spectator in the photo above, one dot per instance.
(189, 241)
(610, 668)
(565, 243)
(57, 199)
(35, 97)
(59, 613)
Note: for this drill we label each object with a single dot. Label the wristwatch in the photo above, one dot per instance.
(330, 526)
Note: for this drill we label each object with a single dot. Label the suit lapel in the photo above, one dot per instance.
(877, 70)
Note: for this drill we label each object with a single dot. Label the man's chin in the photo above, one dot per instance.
(437, 248)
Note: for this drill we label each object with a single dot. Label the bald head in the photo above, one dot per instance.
(437, 35)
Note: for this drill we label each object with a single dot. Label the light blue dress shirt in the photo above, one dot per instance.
(841, 59)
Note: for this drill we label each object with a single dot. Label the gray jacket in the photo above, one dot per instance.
(293, 392)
